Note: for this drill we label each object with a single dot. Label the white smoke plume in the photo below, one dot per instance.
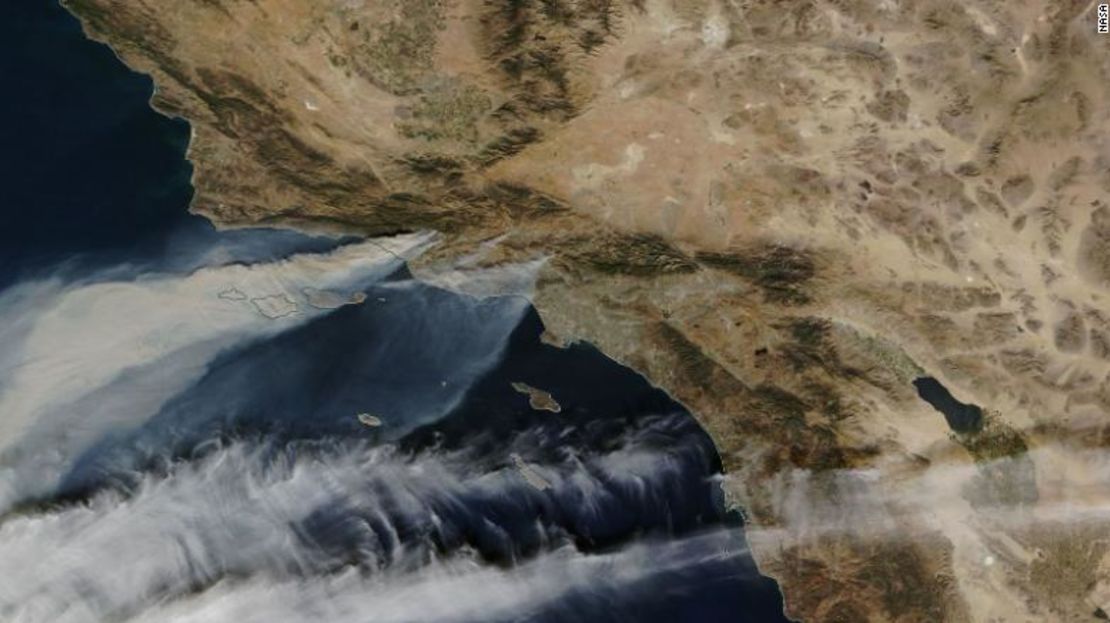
(76, 358)
(261, 529)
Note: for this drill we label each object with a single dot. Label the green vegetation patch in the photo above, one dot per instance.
(997, 440)
(1007, 476)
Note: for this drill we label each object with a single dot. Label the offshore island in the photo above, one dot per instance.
(783, 214)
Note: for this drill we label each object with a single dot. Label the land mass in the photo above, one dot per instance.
(782, 213)
(538, 399)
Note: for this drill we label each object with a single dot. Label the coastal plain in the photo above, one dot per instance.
(781, 213)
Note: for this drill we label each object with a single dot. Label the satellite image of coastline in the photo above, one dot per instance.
(673, 311)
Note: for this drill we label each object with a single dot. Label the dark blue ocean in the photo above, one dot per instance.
(261, 425)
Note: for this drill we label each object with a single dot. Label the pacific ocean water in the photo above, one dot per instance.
(179, 438)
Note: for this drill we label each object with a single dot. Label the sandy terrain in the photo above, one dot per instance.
(780, 212)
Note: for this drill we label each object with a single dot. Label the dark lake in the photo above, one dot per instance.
(961, 417)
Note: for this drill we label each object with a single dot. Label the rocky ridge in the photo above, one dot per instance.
(780, 212)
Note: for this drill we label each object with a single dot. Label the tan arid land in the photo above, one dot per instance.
(781, 212)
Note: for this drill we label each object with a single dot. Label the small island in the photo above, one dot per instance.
(537, 398)
(529, 473)
(368, 420)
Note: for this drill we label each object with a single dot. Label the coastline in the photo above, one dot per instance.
(315, 227)
(734, 499)
(779, 342)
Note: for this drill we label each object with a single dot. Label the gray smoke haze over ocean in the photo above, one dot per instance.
(210, 425)
(85, 359)
(184, 447)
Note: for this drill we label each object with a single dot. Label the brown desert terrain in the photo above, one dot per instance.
(782, 213)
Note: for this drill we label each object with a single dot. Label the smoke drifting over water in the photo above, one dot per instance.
(258, 425)
(187, 447)
(84, 360)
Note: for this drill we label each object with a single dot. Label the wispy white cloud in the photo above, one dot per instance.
(457, 589)
(900, 499)
(246, 512)
(321, 530)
